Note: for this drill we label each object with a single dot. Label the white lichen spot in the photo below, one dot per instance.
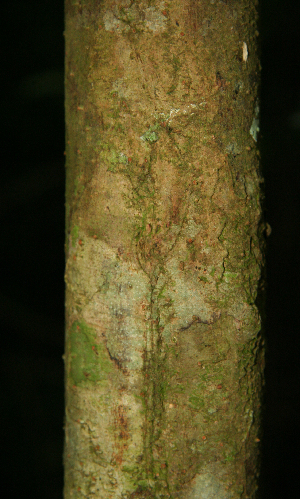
(255, 123)
(190, 109)
(245, 52)
(174, 113)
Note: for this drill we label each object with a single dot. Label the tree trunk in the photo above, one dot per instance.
(164, 235)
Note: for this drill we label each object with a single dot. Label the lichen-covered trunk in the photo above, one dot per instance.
(164, 235)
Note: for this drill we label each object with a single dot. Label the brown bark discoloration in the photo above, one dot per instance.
(122, 435)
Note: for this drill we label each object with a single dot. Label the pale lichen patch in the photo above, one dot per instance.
(208, 485)
(154, 19)
(125, 16)
(112, 23)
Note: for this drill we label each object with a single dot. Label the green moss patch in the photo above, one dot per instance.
(89, 360)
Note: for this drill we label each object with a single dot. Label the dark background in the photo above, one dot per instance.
(32, 247)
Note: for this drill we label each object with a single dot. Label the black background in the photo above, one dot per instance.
(32, 247)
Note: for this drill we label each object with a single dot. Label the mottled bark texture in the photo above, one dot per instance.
(164, 237)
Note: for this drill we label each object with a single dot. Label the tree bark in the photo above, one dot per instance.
(164, 355)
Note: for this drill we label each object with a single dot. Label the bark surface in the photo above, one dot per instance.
(164, 235)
